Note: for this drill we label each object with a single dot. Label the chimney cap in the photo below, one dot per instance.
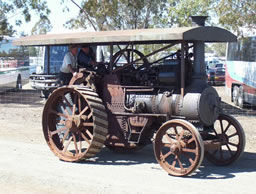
(198, 20)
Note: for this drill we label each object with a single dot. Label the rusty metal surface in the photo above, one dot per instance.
(207, 34)
(71, 127)
(231, 135)
(178, 147)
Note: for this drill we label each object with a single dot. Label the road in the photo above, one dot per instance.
(28, 166)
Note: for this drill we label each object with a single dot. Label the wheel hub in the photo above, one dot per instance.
(73, 123)
(224, 139)
(176, 148)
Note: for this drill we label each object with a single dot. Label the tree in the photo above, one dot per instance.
(24, 7)
(237, 14)
(118, 14)
(42, 26)
(179, 11)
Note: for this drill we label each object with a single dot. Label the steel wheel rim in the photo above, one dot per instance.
(72, 124)
(232, 137)
(185, 147)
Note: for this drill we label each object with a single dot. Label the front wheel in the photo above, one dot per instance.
(179, 148)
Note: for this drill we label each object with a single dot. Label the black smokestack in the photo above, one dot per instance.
(198, 20)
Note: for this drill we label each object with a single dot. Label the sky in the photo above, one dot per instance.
(57, 17)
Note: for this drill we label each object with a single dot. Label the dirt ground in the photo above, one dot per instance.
(28, 166)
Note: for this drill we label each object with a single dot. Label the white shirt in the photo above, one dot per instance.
(68, 59)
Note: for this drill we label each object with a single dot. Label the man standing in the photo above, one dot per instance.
(85, 58)
(67, 70)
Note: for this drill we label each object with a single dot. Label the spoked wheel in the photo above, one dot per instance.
(178, 147)
(231, 134)
(74, 123)
(126, 56)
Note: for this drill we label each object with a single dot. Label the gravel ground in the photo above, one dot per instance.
(28, 166)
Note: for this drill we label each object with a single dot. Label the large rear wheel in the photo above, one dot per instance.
(231, 135)
(75, 123)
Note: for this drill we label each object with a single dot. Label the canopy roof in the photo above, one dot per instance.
(138, 36)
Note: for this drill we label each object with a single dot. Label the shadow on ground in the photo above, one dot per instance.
(207, 170)
(25, 97)
(249, 110)
(246, 164)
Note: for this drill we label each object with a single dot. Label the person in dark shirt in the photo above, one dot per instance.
(85, 58)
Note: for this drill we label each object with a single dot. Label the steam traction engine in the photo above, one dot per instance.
(131, 102)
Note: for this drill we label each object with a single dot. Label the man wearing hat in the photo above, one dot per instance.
(68, 68)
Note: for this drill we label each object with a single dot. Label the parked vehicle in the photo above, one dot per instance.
(241, 71)
(130, 105)
(46, 76)
(216, 76)
(14, 65)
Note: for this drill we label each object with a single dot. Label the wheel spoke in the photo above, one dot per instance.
(66, 146)
(65, 136)
(191, 140)
(166, 155)
(79, 104)
(87, 124)
(90, 115)
(188, 157)
(180, 164)
(65, 108)
(221, 126)
(234, 134)
(83, 111)
(230, 151)
(89, 133)
(58, 113)
(215, 131)
(75, 143)
(235, 145)
(85, 138)
(59, 130)
(181, 134)
(176, 132)
(227, 128)
(189, 150)
(174, 163)
(167, 145)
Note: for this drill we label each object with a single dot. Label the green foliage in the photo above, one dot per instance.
(24, 7)
(179, 11)
(42, 26)
(119, 14)
(234, 14)
(219, 49)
